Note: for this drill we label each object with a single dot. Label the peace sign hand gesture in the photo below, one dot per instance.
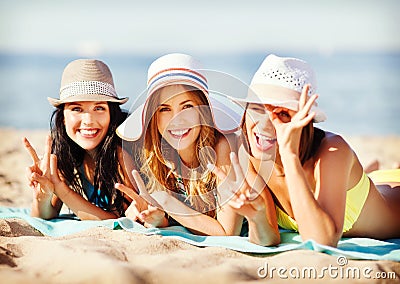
(289, 133)
(43, 174)
(143, 207)
(245, 200)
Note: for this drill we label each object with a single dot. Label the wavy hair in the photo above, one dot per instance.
(108, 170)
(157, 157)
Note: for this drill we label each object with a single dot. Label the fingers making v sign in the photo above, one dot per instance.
(143, 206)
(43, 173)
(246, 200)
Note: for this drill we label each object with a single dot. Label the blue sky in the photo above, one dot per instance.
(94, 27)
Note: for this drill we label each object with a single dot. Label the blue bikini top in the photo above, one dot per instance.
(91, 194)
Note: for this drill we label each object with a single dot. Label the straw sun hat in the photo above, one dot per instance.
(174, 69)
(275, 72)
(87, 80)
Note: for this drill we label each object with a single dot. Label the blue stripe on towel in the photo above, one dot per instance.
(352, 248)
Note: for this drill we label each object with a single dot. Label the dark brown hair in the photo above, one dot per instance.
(107, 167)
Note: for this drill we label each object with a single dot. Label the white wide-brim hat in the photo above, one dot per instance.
(87, 80)
(178, 69)
(277, 72)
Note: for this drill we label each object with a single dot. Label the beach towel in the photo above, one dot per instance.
(351, 248)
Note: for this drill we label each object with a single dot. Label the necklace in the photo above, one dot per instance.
(179, 181)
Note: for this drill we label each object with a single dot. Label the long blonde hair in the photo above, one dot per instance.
(157, 153)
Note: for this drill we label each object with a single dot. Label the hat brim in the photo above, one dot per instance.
(276, 97)
(226, 119)
(320, 116)
(87, 98)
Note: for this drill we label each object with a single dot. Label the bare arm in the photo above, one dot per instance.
(227, 221)
(84, 209)
(252, 200)
(50, 192)
(319, 214)
(191, 219)
(313, 221)
(45, 204)
(81, 207)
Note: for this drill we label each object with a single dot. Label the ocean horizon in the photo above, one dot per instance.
(360, 92)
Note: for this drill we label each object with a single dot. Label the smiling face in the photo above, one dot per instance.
(86, 123)
(178, 119)
(260, 130)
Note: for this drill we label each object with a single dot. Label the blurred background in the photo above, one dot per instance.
(354, 47)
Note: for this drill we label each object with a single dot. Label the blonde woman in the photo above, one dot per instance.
(181, 134)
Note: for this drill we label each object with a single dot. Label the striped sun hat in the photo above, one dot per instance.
(87, 80)
(176, 69)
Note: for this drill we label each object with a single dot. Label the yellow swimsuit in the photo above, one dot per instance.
(384, 176)
(355, 199)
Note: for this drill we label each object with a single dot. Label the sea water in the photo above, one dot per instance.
(360, 92)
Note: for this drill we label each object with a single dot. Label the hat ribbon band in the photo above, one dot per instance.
(194, 77)
(89, 88)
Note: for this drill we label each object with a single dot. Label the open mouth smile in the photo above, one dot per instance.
(264, 142)
(89, 133)
(179, 133)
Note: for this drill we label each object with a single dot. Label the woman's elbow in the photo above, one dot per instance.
(332, 242)
(268, 241)
(274, 241)
(328, 238)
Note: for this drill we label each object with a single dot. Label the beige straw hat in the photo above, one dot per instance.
(87, 80)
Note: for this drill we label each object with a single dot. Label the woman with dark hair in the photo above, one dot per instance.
(301, 177)
(83, 159)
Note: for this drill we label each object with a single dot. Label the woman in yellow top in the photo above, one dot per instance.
(310, 178)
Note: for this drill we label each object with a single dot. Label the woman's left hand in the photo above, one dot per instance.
(289, 132)
(143, 206)
(246, 200)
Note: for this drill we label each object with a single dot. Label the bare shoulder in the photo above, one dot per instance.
(334, 146)
(334, 140)
(124, 157)
(127, 165)
(121, 153)
(224, 146)
(227, 142)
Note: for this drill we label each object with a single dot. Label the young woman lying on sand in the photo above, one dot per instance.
(83, 157)
(311, 178)
(180, 135)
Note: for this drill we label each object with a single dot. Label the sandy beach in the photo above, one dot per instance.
(101, 255)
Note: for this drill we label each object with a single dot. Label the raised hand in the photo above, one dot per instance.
(143, 206)
(289, 132)
(246, 200)
(40, 173)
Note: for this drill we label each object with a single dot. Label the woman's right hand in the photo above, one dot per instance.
(289, 124)
(39, 174)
